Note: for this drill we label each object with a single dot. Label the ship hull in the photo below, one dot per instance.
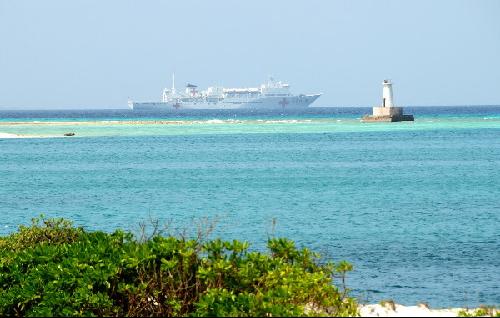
(289, 102)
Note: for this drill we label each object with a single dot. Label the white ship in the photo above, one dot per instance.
(272, 95)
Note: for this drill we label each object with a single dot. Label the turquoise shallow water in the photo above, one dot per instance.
(414, 206)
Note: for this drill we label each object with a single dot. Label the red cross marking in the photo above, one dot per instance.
(283, 103)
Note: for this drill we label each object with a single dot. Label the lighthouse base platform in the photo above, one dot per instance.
(387, 114)
(386, 118)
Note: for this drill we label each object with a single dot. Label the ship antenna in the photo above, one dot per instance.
(173, 83)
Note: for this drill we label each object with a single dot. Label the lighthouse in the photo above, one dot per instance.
(387, 112)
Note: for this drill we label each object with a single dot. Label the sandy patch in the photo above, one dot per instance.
(8, 136)
(153, 122)
(395, 310)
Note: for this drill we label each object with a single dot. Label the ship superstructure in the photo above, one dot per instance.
(271, 95)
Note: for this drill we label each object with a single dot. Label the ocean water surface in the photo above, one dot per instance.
(414, 206)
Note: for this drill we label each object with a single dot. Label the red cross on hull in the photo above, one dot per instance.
(283, 103)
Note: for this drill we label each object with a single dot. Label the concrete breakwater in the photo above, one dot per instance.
(387, 118)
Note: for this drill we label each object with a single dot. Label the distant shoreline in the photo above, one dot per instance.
(96, 122)
(23, 109)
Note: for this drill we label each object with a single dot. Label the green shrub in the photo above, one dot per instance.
(53, 269)
(41, 231)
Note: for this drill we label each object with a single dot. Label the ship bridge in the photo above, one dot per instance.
(241, 92)
(273, 88)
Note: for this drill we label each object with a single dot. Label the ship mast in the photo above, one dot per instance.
(173, 83)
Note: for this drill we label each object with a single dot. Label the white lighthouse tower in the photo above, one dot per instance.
(387, 94)
(387, 112)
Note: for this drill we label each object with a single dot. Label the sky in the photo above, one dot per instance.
(97, 54)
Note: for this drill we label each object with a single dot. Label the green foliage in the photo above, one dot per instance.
(483, 311)
(53, 269)
(41, 231)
